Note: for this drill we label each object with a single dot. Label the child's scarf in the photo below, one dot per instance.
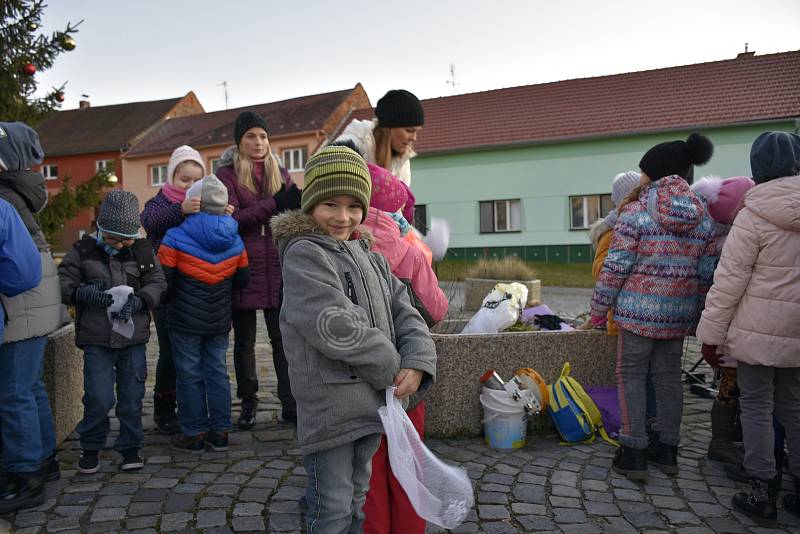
(173, 194)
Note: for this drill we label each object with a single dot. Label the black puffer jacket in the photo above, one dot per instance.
(136, 267)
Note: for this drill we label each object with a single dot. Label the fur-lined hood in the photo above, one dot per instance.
(294, 224)
(597, 230)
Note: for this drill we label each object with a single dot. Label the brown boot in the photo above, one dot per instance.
(722, 447)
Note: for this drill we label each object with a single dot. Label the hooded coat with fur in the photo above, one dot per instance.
(660, 263)
(753, 308)
(348, 328)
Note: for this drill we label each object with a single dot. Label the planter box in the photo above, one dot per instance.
(453, 407)
(476, 289)
(63, 380)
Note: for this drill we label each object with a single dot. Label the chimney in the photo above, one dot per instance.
(746, 52)
(84, 102)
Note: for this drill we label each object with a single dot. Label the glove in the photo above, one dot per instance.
(131, 306)
(710, 355)
(287, 199)
(548, 322)
(91, 295)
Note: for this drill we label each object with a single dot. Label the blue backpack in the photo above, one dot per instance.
(573, 411)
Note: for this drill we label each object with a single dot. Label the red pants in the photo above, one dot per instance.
(388, 510)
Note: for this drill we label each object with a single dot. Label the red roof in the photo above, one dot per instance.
(100, 128)
(287, 117)
(746, 89)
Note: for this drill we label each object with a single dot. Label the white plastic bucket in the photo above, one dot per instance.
(505, 423)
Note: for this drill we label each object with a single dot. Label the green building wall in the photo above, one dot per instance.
(543, 177)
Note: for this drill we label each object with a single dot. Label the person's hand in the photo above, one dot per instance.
(407, 382)
(710, 355)
(599, 321)
(586, 325)
(229, 209)
(90, 295)
(190, 205)
(131, 306)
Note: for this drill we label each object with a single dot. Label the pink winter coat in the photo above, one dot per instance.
(753, 308)
(409, 265)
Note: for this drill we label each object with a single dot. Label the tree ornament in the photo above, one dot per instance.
(29, 69)
(32, 25)
(67, 42)
(60, 96)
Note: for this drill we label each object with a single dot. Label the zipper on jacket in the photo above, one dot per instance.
(351, 289)
(363, 281)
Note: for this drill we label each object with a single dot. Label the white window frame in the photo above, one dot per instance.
(290, 157)
(588, 220)
(49, 173)
(102, 164)
(505, 205)
(162, 175)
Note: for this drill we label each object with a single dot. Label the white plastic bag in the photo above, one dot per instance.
(438, 238)
(439, 493)
(120, 294)
(499, 310)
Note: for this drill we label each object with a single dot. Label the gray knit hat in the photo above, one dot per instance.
(623, 184)
(212, 192)
(119, 214)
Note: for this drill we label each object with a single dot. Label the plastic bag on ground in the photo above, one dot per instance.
(120, 294)
(439, 493)
(500, 309)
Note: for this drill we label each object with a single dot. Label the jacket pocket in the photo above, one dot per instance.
(132, 275)
(333, 372)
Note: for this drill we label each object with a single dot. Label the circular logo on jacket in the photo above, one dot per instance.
(340, 328)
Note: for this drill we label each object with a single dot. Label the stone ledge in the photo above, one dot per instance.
(63, 380)
(453, 408)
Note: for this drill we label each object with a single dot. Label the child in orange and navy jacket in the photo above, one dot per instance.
(203, 259)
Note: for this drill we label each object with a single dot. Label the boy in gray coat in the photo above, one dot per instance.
(349, 332)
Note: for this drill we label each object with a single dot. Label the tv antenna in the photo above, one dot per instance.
(452, 80)
(224, 84)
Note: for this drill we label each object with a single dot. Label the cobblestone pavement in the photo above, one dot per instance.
(256, 485)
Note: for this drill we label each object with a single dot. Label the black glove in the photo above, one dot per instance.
(548, 322)
(131, 306)
(92, 295)
(287, 199)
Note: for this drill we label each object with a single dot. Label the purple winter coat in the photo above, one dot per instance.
(159, 215)
(253, 213)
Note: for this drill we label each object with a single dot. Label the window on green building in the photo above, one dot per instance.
(586, 209)
(420, 221)
(500, 216)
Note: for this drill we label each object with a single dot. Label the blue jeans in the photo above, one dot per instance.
(338, 480)
(204, 390)
(27, 423)
(102, 368)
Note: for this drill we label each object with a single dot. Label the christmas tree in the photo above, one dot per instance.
(24, 52)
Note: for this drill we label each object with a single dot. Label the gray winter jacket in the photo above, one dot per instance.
(348, 328)
(136, 266)
(36, 312)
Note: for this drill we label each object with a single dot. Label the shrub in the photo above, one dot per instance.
(509, 268)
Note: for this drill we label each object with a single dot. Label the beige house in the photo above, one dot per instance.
(297, 127)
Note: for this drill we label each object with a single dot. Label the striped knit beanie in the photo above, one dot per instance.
(334, 171)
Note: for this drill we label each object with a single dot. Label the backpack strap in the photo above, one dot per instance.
(588, 406)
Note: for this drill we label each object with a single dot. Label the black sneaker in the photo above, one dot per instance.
(218, 441)
(289, 414)
(167, 424)
(630, 462)
(663, 456)
(760, 504)
(21, 490)
(247, 418)
(185, 443)
(50, 470)
(131, 459)
(89, 462)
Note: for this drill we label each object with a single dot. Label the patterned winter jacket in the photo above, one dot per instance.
(660, 263)
(159, 215)
(203, 259)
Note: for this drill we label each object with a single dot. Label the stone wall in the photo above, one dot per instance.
(63, 380)
(453, 407)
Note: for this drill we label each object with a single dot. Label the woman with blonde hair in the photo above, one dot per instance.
(258, 189)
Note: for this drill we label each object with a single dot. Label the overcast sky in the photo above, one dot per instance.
(272, 50)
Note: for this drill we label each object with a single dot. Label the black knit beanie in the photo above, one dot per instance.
(775, 155)
(676, 157)
(245, 121)
(398, 109)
